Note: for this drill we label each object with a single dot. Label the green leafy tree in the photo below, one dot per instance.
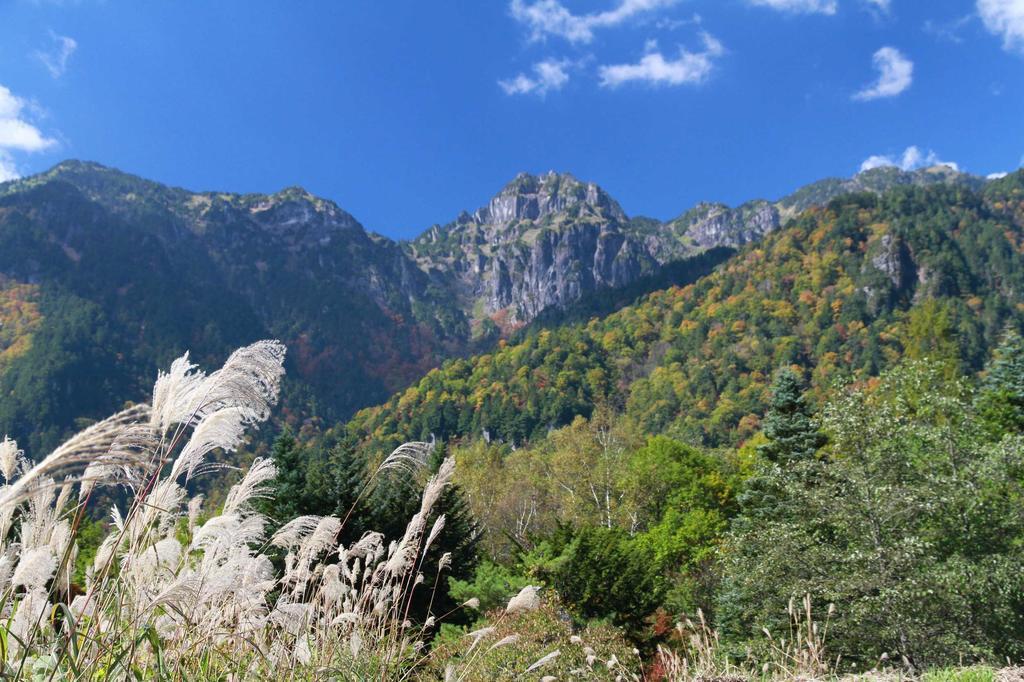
(910, 526)
(492, 584)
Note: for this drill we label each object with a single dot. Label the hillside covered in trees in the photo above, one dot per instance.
(105, 275)
(842, 293)
(834, 414)
(825, 426)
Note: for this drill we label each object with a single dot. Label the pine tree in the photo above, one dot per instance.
(389, 502)
(792, 435)
(1001, 400)
(793, 440)
(285, 502)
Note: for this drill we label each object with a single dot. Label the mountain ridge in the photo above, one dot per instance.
(93, 258)
(841, 293)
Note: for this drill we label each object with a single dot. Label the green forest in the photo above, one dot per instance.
(834, 416)
(802, 458)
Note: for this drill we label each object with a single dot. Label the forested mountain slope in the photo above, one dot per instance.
(105, 276)
(844, 291)
(114, 276)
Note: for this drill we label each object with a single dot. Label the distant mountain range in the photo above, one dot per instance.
(104, 277)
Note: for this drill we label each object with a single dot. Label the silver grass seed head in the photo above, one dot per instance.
(303, 654)
(294, 532)
(481, 633)
(435, 530)
(162, 556)
(35, 568)
(321, 538)
(223, 429)
(195, 506)
(105, 552)
(31, 611)
(505, 641)
(368, 545)
(7, 566)
(526, 600)
(6, 519)
(436, 485)
(173, 393)
(346, 617)
(11, 459)
(355, 644)
(254, 485)
(544, 660)
(407, 458)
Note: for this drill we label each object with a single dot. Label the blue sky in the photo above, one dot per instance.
(407, 112)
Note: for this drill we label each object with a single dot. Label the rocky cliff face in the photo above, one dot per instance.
(546, 241)
(534, 198)
(543, 241)
(710, 225)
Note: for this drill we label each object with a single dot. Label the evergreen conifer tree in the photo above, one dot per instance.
(285, 502)
(792, 435)
(1001, 400)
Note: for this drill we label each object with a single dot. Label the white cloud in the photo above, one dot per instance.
(548, 75)
(551, 17)
(911, 159)
(948, 30)
(7, 169)
(828, 7)
(56, 60)
(1004, 18)
(895, 74)
(653, 68)
(800, 6)
(996, 176)
(16, 133)
(670, 24)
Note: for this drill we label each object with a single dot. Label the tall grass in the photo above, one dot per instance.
(168, 597)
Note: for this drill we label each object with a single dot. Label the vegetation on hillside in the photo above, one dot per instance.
(843, 293)
(808, 463)
(103, 274)
(830, 421)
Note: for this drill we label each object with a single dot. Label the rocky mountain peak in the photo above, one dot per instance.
(294, 210)
(533, 197)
